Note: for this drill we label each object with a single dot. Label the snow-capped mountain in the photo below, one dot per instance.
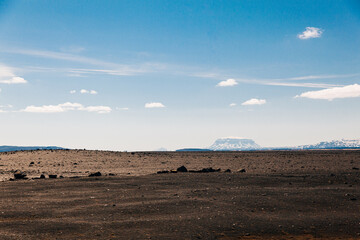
(335, 144)
(234, 144)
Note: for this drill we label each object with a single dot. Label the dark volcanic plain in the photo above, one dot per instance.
(282, 195)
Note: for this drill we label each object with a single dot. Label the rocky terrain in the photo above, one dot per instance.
(221, 195)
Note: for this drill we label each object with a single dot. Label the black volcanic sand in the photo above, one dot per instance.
(184, 206)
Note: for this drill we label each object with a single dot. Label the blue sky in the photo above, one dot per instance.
(140, 75)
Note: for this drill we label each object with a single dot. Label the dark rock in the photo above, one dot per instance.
(173, 171)
(355, 168)
(61, 177)
(206, 170)
(227, 171)
(182, 169)
(42, 176)
(19, 175)
(353, 199)
(32, 163)
(111, 174)
(210, 169)
(242, 170)
(52, 176)
(96, 174)
(161, 172)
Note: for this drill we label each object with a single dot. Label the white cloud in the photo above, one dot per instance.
(97, 109)
(154, 105)
(254, 101)
(232, 104)
(349, 91)
(4, 108)
(8, 76)
(65, 107)
(72, 91)
(84, 91)
(310, 32)
(227, 83)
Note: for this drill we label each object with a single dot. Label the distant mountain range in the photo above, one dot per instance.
(335, 144)
(243, 144)
(17, 148)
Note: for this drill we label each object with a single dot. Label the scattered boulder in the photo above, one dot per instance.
(96, 174)
(42, 176)
(227, 171)
(52, 176)
(19, 175)
(173, 171)
(242, 170)
(32, 163)
(206, 170)
(161, 172)
(182, 169)
(111, 174)
(355, 168)
(210, 169)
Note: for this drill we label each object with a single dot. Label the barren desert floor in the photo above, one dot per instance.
(282, 195)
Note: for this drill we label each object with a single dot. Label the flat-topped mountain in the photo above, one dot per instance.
(234, 144)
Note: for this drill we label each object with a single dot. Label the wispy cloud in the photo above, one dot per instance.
(349, 91)
(307, 85)
(102, 67)
(312, 77)
(72, 91)
(282, 82)
(8, 76)
(227, 83)
(286, 82)
(254, 101)
(310, 32)
(65, 107)
(154, 105)
(232, 104)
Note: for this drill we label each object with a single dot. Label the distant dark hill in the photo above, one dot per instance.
(193, 150)
(17, 148)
